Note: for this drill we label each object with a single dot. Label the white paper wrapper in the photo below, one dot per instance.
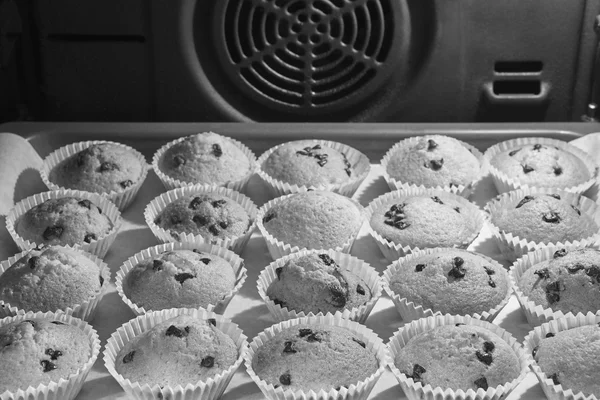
(590, 143)
(505, 183)
(359, 162)
(121, 199)
(85, 310)
(536, 314)
(358, 267)
(237, 264)
(533, 339)
(64, 389)
(210, 389)
(410, 311)
(172, 183)
(513, 246)
(393, 251)
(461, 190)
(156, 206)
(360, 390)
(416, 391)
(278, 249)
(96, 247)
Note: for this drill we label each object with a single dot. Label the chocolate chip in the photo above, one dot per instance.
(108, 166)
(360, 290)
(212, 321)
(489, 271)
(457, 209)
(488, 347)
(157, 265)
(551, 217)
(360, 342)
(47, 365)
(557, 170)
(289, 347)
(175, 331)
(431, 144)
(85, 203)
(216, 150)
(534, 350)
(54, 354)
(576, 209)
(213, 229)
(304, 332)
(313, 337)
(126, 183)
(491, 282)
(554, 378)
(512, 153)
(218, 203)
(285, 379)
(205, 260)
(560, 253)
(556, 196)
(485, 358)
(527, 169)
(542, 273)
(481, 383)
(549, 335)
(552, 297)
(195, 203)
(89, 237)
(81, 157)
(348, 168)
(574, 268)
(99, 210)
(176, 219)
(457, 270)
(326, 259)
(57, 323)
(183, 277)
(101, 279)
(268, 217)
(525, 199)
(537, 147)
(338, 297)
(554, 286)
(208, 362)
(593, 272)
(553, 291)
(179, 160)
(53, 232)
(436, 165)
(417, 373)
(200, 220)
(223, 224)
(400, 224)
(459, 324)
(419, 267)
(34, 262)
(278, 271)
(437, 200)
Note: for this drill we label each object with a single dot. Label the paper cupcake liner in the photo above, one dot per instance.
(210, 389)
(278, 248)
(85, 310)
(96, 247)
(63, 389)
(236, 243)
(513, 246)
(409, 311)
(236, 262)
(505, 183)
(357, 160)
(533, 339)
(172, 183)
(358, 267)
(121, 199)
(393, 251)
(536, 314)
(460, 190)
(360, 390)
(416, 391)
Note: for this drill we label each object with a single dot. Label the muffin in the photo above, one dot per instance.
(432, 161)
(178, 351)
(54, 278)
(447, 281)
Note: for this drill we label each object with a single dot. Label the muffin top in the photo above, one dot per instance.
(205, 158)
(306, 163)
(434, 160)
(314, 220)
(426, 221)
(316, 283)
(210, 215)
(542, 165)
(314, 357)
(50, 279)
(458, 357)
(544, 218)
(569, 282)
(452, 281)
(100, 168)
(570, 359)
(179, 351)
(179, 278)
(63, 221)
(38, 351)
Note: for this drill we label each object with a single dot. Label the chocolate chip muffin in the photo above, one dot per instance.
(569, 358)
(100, 168)
(314, 357)
(39, 351)
(450, 281)
(205, 158)
(316, 283)
(180, 351)
(568, 282)
(458, 356)
(50, 279)
(209, 215)
(63, 221)
(179, 279)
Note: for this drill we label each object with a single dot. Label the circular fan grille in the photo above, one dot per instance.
(307, 54)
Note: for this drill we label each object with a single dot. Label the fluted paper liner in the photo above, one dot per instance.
(237, 264)
(393, 251)
(513, 246)
(236, 243)
(347, 262)
(360, 164)
(533, 339)
(461, 190)
(416, 390)
(360, 390)
(410, 311)
(210, 389)
(505, 183)
(535, 313)
(85, 310)
(278, 248)
(173, 183)
(63, 389)
(97, 247)
(121, 199)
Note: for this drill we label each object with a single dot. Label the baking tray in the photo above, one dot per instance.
(247, 309)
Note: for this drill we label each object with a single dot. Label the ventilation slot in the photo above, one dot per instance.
(518, 67)
(529, 88)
